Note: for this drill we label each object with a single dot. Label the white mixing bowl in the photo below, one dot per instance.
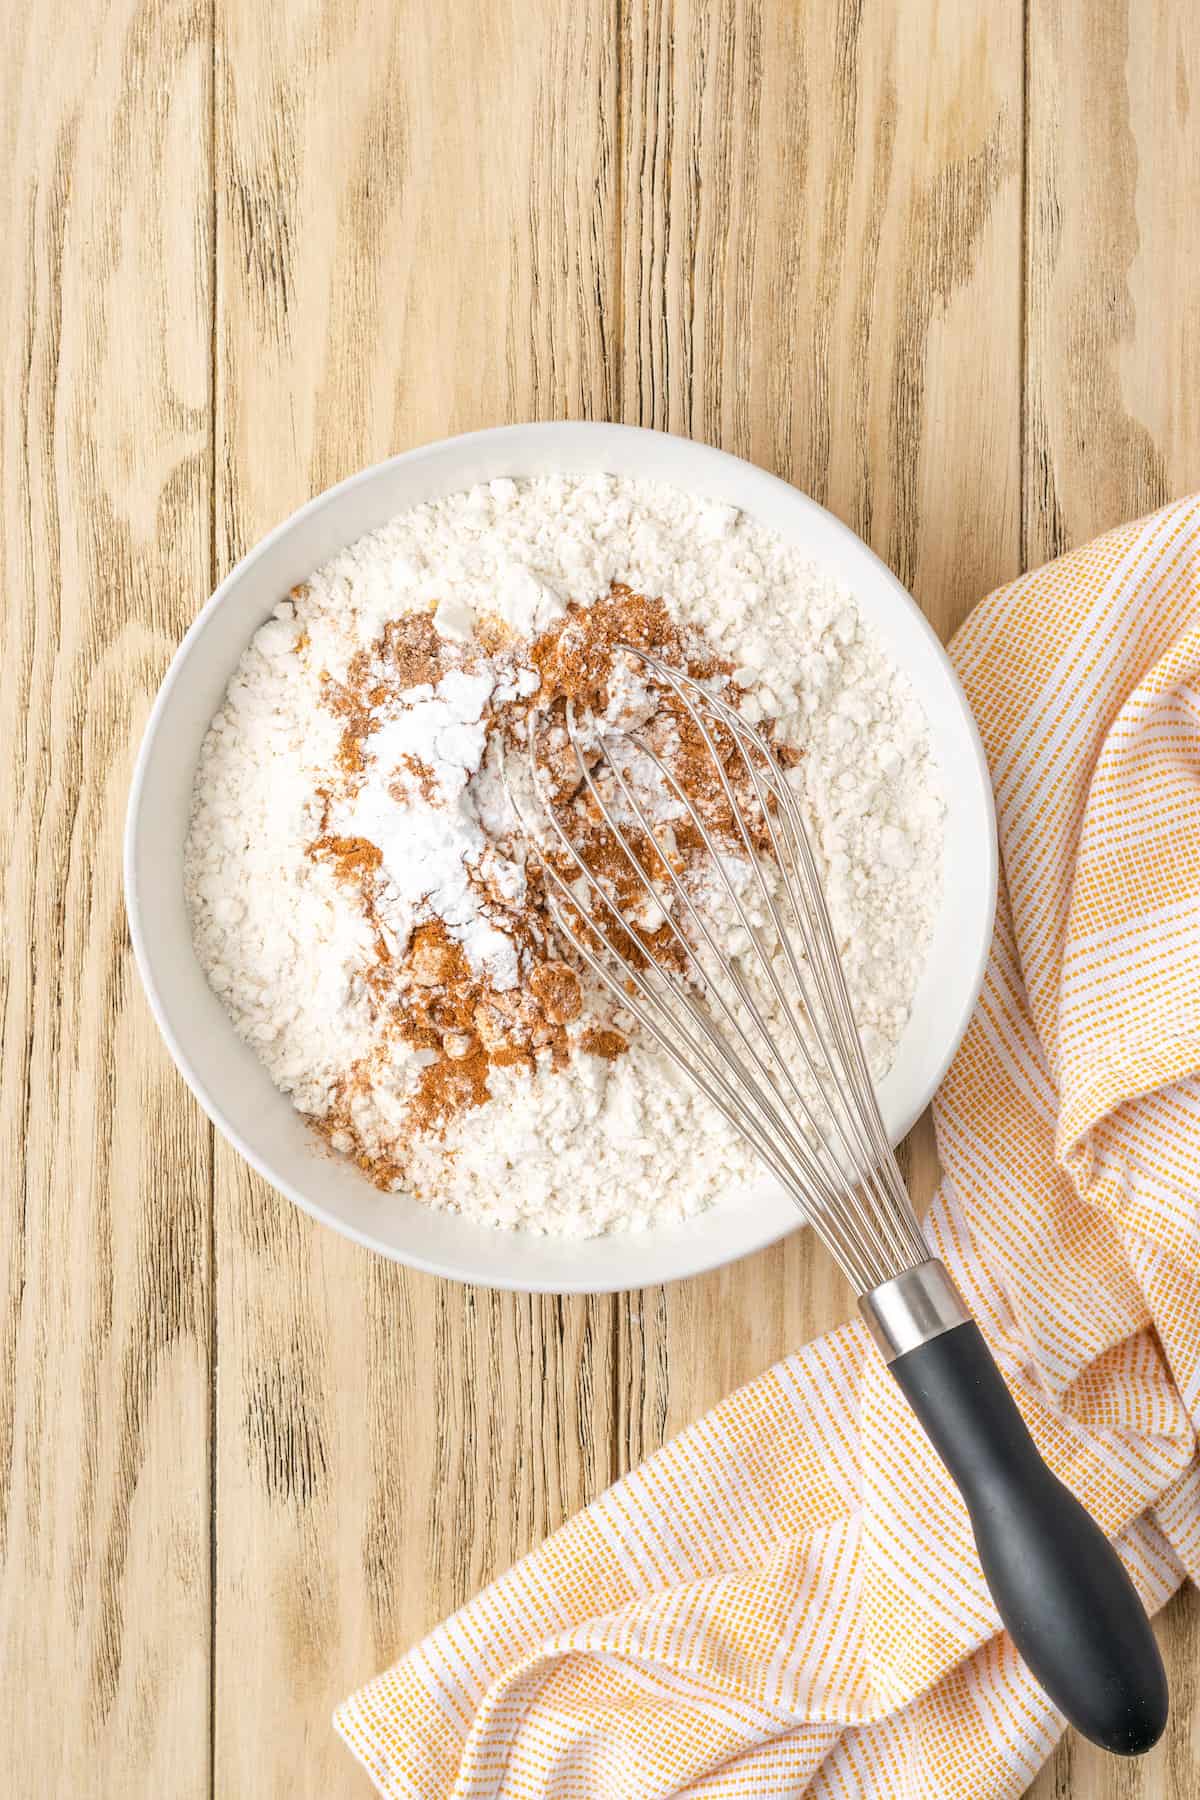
(229, 1081)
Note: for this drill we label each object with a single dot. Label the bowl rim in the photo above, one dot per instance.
(498, 436)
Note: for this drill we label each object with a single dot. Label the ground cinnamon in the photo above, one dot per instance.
(428, 995)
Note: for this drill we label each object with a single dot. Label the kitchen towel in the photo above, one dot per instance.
(786, 1599)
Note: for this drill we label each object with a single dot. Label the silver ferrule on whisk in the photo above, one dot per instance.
(907, 1311)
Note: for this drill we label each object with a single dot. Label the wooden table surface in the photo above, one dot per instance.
(937, 263)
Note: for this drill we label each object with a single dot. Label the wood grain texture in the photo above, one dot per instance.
(932, 263)
(1112, 399)
(105, 1285)
(411, 241)
(1113, 430)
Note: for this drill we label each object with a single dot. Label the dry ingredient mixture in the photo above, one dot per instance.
(369, 912)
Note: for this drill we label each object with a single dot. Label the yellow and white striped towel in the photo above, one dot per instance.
(786, 1599)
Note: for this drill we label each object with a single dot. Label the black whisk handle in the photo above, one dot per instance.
(1059, 1585)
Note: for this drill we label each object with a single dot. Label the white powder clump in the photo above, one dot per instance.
(598, 1143)
(433, 845)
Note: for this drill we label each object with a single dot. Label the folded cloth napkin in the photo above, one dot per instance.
(787, 1599)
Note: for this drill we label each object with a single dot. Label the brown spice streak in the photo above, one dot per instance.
(352, 857)
(429, 996)
(419, 773)
(575, 657)
(448, 1087)
(407, 655)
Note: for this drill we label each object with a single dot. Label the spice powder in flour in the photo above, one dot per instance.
(465, 1015)
(367, 913)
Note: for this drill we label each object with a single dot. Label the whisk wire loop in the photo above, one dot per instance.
(824, 1141)
(820, 958)
(872, 1156)
(787, 1007)
(654, 987)
(712, 990)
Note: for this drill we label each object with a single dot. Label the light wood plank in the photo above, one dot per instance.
(1113, 431)
(104, 1227)
(416, 237)
(1114, 340)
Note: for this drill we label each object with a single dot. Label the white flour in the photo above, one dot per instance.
(430, 845)
(599, 1144)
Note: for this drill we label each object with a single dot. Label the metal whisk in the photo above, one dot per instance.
(783, 1061)
(713, 1026)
